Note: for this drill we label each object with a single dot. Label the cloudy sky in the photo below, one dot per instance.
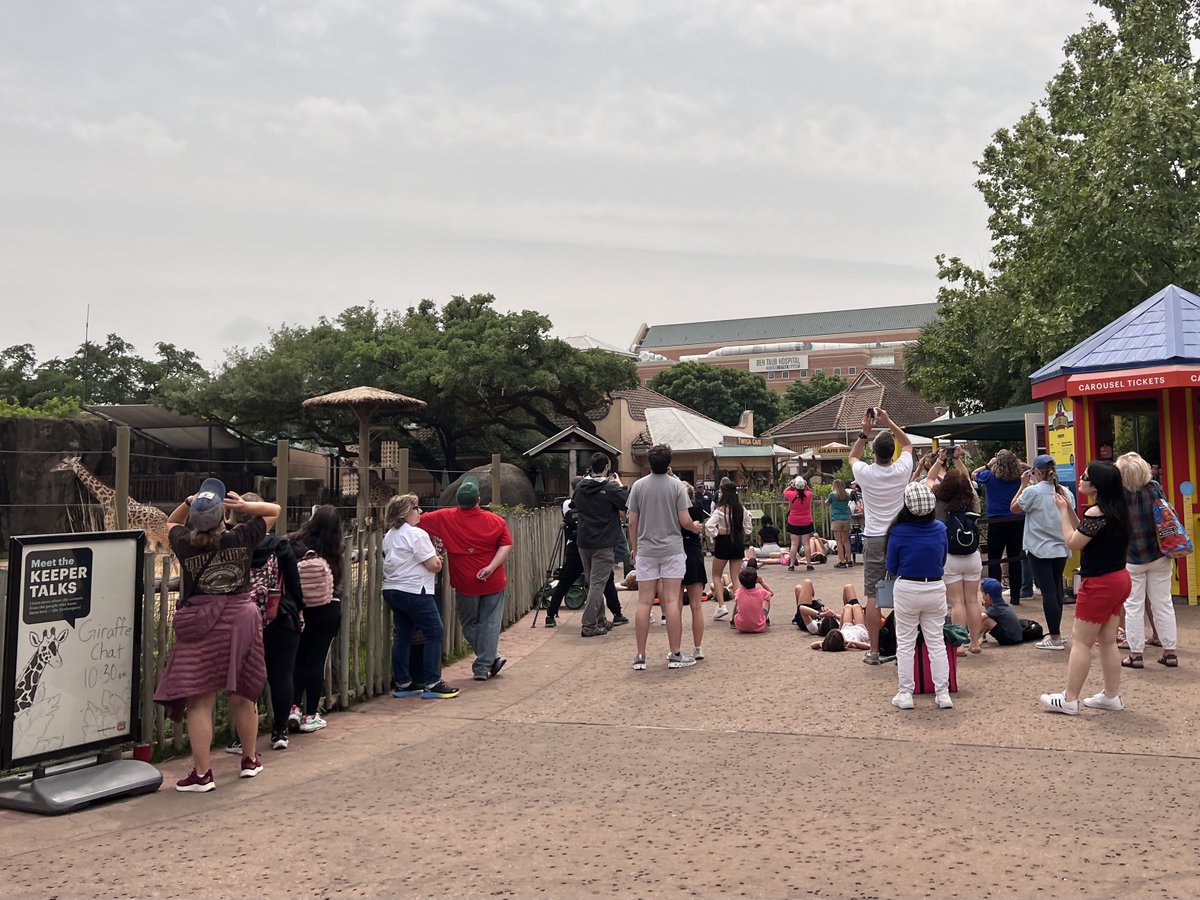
(200, 174)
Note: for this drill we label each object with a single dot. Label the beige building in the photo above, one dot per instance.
(787, 348)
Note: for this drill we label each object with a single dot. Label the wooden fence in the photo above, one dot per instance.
(359, 666)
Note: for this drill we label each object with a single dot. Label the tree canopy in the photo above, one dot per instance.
(720, 392)
(490, 379)
(802, 395)
(1095, 205)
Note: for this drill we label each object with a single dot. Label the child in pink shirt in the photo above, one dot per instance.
(751, 605)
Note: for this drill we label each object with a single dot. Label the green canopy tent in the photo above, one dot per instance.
(997, 425)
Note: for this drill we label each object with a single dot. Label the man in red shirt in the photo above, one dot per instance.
(477, 543)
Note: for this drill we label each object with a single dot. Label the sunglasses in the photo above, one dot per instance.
(1084, 477)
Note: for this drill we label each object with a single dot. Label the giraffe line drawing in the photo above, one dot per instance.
(45, 656)
(150, 519)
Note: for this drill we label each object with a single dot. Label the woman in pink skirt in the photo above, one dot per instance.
(218, 628)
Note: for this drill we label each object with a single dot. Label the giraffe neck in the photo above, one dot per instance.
(95, 486)
(28, 684)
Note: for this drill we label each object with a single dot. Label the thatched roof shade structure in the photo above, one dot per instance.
(365, 402)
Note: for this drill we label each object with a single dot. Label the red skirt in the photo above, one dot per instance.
(1100, 597)
(218, 647)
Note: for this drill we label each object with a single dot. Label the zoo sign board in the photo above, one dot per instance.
(72, 645)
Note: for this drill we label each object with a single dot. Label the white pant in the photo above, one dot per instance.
(923, 604)
(1151, 581)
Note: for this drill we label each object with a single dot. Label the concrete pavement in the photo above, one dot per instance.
(767, 770)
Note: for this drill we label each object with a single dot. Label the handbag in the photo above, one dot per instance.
(884, 596)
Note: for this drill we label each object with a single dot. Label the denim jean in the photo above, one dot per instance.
(481, 618)
(1048, 573)
(411, 611)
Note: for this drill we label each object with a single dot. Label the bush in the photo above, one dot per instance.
(54, 408)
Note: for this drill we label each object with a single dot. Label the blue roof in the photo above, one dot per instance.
(1164, 330)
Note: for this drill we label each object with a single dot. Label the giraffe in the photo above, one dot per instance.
(150, 519)
(45, 656)
(378, 493)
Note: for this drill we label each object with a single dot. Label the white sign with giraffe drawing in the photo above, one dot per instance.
(72, 645)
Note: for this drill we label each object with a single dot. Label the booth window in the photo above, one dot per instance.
(1128, 425)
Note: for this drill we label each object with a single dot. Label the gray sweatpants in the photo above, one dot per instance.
(598, 564)
(481, 618)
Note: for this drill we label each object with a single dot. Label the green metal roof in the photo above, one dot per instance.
(794, 325)
(997, 425)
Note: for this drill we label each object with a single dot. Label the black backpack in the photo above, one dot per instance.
(962, 532)
(1030, 630)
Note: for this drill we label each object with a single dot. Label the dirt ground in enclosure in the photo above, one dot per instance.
(767, 770)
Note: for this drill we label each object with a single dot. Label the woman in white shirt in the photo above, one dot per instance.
(409, 566)
(729, 526)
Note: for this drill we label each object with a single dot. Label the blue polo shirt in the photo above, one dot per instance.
(916, 550)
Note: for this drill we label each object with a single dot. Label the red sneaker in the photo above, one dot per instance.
(251, 765)
(197, 784)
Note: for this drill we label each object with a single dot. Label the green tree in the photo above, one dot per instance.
(1094, 202)
(802, 395)
(720, 392)
(491, 378)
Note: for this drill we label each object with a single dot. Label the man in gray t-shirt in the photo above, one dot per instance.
(658, 509)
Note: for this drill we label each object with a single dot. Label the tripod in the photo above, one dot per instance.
(541, 600)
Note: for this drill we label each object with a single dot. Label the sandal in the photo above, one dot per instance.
(1169, 659)
(1134, 661)
(1154, 642)
(976, 649)
(1121, 639)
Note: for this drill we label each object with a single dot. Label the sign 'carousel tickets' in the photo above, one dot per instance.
(72, 645)
(1117, 382)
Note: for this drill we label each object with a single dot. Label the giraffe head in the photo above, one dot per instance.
(68, 464)
(47, 646)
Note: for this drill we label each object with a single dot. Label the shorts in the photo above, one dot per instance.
(765, 551)
(814, 626)
(1100, 597)
(800, 529)
(725, 547)
(652, 569)
(962, 568)
(839, 524)
(874, 562)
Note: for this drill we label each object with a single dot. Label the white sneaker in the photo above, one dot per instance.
(680, 660)
(698, 653)
(943, 701)
(639, 663)
(1049, 643)
(312, 723)
(903, 700)
(1060, 704)
(1103, 701)
(294, 718)
(722, 612)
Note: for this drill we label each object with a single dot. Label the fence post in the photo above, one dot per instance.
(282, 461)
(122, 481)
(496, 497)
(148, 635)
(402, 462)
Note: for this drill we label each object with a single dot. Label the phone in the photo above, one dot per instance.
(871, 412)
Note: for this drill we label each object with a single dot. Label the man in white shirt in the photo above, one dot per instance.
(881, 484)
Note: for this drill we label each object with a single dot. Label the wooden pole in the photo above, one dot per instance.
(364, 467)
(496, 498)
(146, 732)
(403, 474)
(282, 476)
(122, 481)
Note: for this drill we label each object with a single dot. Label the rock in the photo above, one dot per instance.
(515, 489)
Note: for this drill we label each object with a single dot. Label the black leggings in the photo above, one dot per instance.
(1006, 535)
(572, 568)
(321, 624)
(1048, 573)
(281, 640)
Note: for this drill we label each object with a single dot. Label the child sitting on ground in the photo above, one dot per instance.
(770, 549)
(751, 604)
(1000, 621)
(850, 635)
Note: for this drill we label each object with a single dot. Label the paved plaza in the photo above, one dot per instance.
(767, 770)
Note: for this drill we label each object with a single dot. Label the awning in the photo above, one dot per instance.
(997, 425)
(171, 428)
(746, 452)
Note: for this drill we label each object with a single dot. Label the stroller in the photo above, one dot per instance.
(856, 544)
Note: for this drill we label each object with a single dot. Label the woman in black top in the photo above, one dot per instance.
(694, 576)
(1102, 537)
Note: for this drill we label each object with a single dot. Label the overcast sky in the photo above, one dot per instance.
(201, 174)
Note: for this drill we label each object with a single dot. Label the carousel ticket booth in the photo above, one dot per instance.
(1133, 385)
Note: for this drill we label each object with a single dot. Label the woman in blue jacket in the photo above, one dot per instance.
(916, 556)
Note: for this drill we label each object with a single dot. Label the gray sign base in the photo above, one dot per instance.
(66, 791)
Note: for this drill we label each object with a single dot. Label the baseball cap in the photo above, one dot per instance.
(918, 498)
(799, 483)
(208, 506)
(994, 589)
(1042, 461)
(468, 492)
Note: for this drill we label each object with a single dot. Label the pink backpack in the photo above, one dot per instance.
(316, 579)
